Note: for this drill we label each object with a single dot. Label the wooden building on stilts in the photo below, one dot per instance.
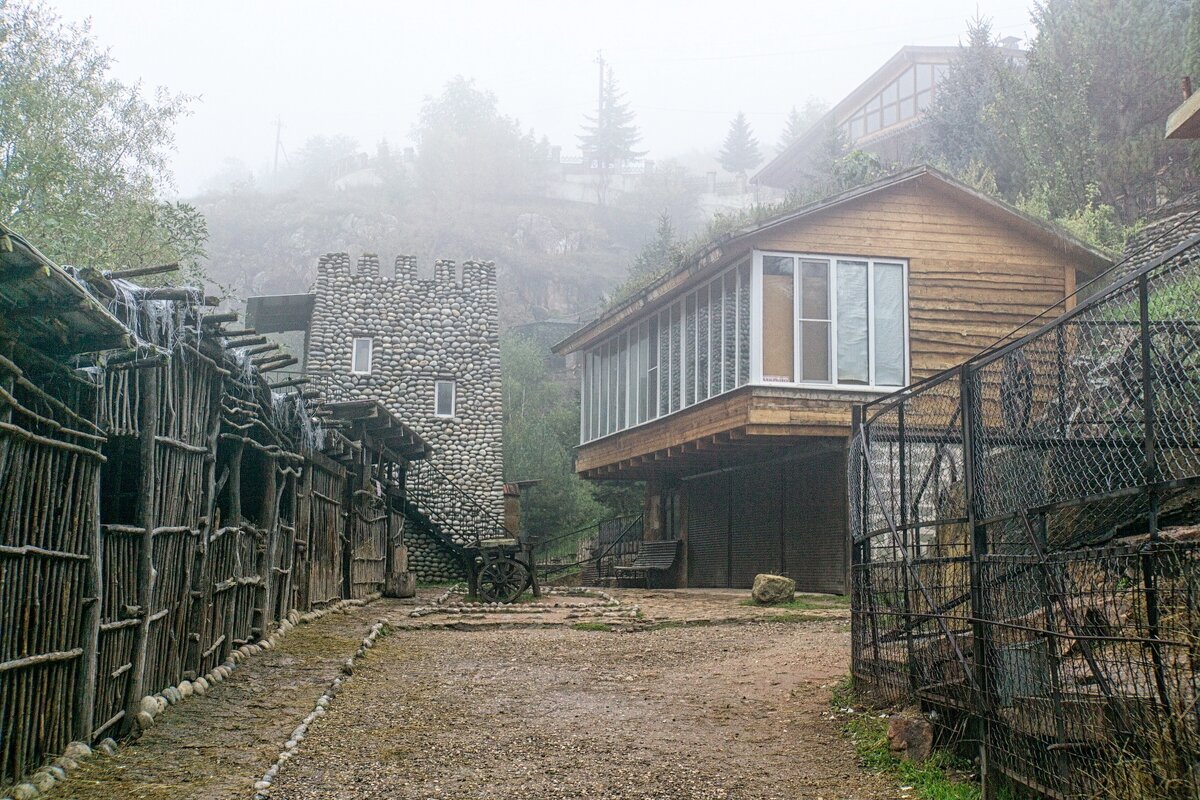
(727, 386)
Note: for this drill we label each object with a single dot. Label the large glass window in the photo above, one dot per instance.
(888, 301)
(743, 324)
(778, 313)
(676, 377)
(689, 351)
(853, 323)
(848, 321)
(814, 321)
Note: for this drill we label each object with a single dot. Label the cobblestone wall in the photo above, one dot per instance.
(421, 331)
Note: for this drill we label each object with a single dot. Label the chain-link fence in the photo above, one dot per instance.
(1026, 546)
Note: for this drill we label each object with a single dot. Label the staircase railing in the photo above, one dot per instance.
(455, 514)
(586, 547)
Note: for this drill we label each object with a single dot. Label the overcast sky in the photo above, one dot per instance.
(363, 68)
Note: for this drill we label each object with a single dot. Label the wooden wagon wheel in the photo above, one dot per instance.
(501, 580)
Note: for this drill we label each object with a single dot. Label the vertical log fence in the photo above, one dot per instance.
(160, 507)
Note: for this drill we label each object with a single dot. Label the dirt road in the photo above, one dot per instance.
(512, 708)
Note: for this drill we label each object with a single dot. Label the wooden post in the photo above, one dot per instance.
(235, 521)
(86, 678)
(147, 431)
(266, 552)
(200, 616)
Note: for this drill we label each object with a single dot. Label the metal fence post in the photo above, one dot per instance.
(971, 411)
(1151, 478)
(909, 624)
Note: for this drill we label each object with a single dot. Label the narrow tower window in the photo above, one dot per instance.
(360, 361)
(443, 398)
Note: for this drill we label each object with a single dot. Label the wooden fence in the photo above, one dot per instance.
(156, 513)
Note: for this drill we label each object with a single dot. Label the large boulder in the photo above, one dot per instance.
(773, 589)
(910, 736)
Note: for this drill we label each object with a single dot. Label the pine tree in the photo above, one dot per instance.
(609, 138)
(800, 121)
(740, 152)
(663, 253)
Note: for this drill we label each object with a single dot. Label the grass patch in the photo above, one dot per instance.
(930, 780)
(809, 602)
(592, 626)
(667, 624)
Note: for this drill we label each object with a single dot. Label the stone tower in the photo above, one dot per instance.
(422, 333)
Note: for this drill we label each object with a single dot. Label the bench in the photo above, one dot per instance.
(652, 557)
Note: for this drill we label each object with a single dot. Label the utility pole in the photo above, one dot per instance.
(600, 96)
(279, 146)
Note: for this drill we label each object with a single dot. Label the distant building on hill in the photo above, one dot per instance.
(884, 115)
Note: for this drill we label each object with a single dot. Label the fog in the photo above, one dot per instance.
(362, 69)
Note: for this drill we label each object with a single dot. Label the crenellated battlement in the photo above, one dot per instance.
(475, 275)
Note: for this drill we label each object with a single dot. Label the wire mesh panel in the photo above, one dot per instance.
(1027, 543)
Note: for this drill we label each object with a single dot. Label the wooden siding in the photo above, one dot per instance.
(972, 278)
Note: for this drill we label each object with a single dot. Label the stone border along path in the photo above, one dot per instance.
(173, 760)
(263, 786)
(609, 608)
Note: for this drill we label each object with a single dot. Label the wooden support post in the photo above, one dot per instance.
(200, 614)
(235, 520)
(86, 678)
(147, 431)
(266, 550)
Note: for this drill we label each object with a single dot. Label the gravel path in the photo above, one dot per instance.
(218, 745)
(732, 705)
(728, 711)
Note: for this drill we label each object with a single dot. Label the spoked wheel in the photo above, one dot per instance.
(501, 580)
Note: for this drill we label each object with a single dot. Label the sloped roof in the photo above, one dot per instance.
(1167, 226)
(725, 249)
(773, 172)
(48, 307)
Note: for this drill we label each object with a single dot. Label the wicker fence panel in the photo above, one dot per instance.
(368, 541)
(325, 534)
(49, 484)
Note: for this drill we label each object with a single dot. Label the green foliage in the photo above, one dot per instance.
(798, 122)
(597, 627)
(1084, 110)
(740, 153)
(1096, 223)
(541, 425)
(467, 151)
(929, 780)
(807, 602)
(83, 157)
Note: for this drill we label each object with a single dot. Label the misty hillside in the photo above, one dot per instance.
(554, 257)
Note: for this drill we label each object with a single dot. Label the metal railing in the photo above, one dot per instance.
(593, 549)
(1025, 559)
(456, 513)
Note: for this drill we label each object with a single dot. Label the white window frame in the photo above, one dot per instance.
(756, 332)
(453, 397)
(355, 367)
(602, 399)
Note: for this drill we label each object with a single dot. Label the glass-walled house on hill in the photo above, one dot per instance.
(728, 385)
(883, 115)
